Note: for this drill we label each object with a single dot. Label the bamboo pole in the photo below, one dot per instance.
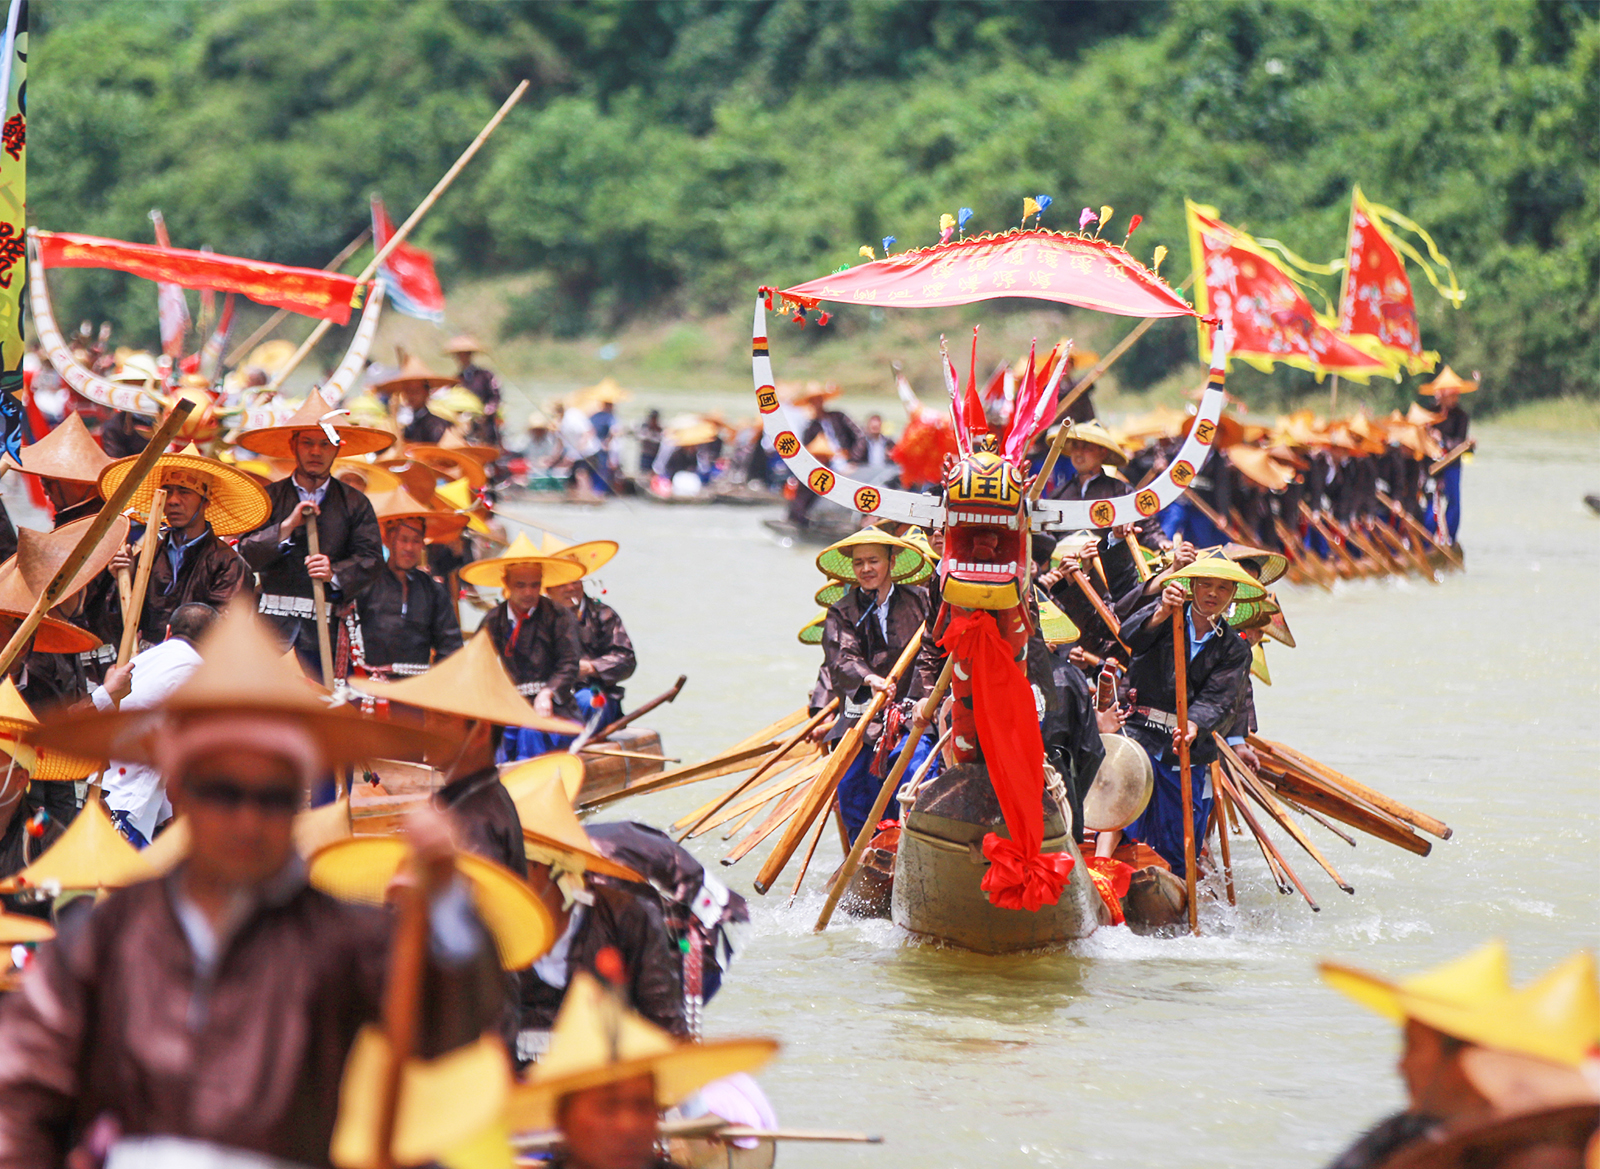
(319, 605)
(788, 745)
(402, 995)
(919, 726)
(780, 815)
(670, 694)
(828, 780)
(1268, 801)
(1450, 551)
(1180, 660)
(725, 764)
(404, 230)
(1361, 791)
(1267, 846)
(1222, 834)
(96, 532)
(141, 578)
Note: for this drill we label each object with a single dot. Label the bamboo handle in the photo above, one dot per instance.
(1180, 661)
(124, 590)
(141, 578)
(91, 538)
(1222, 834)
(891, 782)
(319, 606)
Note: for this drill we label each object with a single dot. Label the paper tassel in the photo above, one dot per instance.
(1086, 217)
(888, 242)
(866, 250)
(824, 318)
(1044, 202)
(1161, 254)
(1029, 207)
(962, 216)
(1133, 226)
(947, 224)
(1105, 218)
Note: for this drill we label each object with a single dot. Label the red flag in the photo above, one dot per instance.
(407, 275)
(1272, 321)
(1376, 309)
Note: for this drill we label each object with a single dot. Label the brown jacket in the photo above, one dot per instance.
(546, 650)
(115, 1019)
(854, 645)
(605, 644)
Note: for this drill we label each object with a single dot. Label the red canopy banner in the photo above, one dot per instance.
(1376, 309)
(308, 291)
(1042, 265)
(1272, 321)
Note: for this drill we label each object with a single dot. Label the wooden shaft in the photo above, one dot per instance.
(619, 753)
(319, 607)
(402, 995)
(828, 780)
(1345, 564)
(141, 578)
(805, 864)
(1263, 796)
(1400, 549)
(277, 318)
(1222, 834)
(1314, 793)
(1086, 587)
(671, 693)
(779, 816)
(404, 229)
(802, 774)
(124, 590)
(1452, 455)
(1451, 552)
(1139, 564)
(1310, 815)
(1266, 844)
(1180, 662)
(891, 783)
(725, 764)
(96, 532)
(685, 820)
(1228, 796)
(1373, 548)
(789, 744)
(1377, 799)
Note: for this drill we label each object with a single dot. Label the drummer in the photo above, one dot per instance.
(407, 618)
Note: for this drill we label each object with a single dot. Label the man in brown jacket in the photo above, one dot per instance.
(215, 1006)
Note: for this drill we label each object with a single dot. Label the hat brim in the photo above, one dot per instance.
(277, 442)
(678, 1074)
(48, 765)
(1374, 993)
(53, 636)
(236, 504)
(1220, 568)
(529, 773)
(451, 463)
(592, 555)
(361, 868)
(594, 861)
(909, 561)
(438, 527)
(1115, 455)
(374, 479)
(491, 573)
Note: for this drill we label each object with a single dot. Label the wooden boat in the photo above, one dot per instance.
(378, 809)
(940, 864)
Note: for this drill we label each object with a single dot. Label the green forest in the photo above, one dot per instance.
(671, 155)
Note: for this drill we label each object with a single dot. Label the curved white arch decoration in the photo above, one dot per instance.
(136, 400)
(1051, 515)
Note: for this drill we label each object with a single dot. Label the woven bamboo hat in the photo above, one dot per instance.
(277, 441)
(463, 343)
(399, 504)
(471, 683)
(491, 573)
(908, 560)
(451, 463)
(831, 592)
(1480, 977)
(607, 391)
(90, 854)
(811, 631)
(68, 452)
(599, 1040)
(365, 476)
(53, 636)
(242, 671)
(413, 375)
(1449, 379)
(360, 869)
(1266, 566)
(1096, 435)
(17, 726)
(1054, 625)
(235, 503)
(526, 775)
(549, 825)
(1220, 568)
(592, 555)
(1258, 466)
(39, 557)
(418, 478)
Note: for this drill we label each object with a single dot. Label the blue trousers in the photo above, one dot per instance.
(525, 742)
(858, 787)
(1196, 528)
(1450, 488)
(1161, 825)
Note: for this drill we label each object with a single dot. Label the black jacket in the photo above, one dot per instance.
(546, 651)
(606, 644)
(1215, 674)
(854, 645)
(347, 531)
(408, 620)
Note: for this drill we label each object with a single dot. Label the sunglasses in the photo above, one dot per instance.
(230, 797)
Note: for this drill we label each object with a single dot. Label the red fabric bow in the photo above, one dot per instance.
(1007, 720)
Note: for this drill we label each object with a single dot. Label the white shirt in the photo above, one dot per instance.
(578, 433)
(136, 788)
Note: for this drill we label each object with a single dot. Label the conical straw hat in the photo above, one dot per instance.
(491, 573)
(471, 683)
(413, 375)
(1482, 976)
(17, 928)
(241, 671)
(811, 631)
(606, 390)
(457, 495)
(1449, 379)
(400, 504)
(463, 343)
(908, 560)
(452, 464)
(418, 478)
(1554, 1018)
(522, 777)
(598, 1040)
(40, 555)
(90, 854)
(593, 555)
(831, 593)
(1258, 466)
(1054, 625)
(1270, 565)
(235, 503)
(17, 725)
(368, 477)
(1095, 434)
(53, 636)
(277, 442)
(361, 868)
(68, 452)
(1258, 664)
(548, 822)
(1220, 568)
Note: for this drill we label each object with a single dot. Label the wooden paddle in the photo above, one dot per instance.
(1313, 793)
(1267, 846)
(671, 693)
(319, 606)
(1220, 807)
(1390, 538)
(779, 816)
(1450, 551)
(821, 792)
(725, 764)
(1216, 517)
(1180, 661)
(788, 745)
(802, 774)
(1361, 791)
(1263, 796)
(1452, 455)
(1294, 548)
(141, 578)
(793, 761)
(926, 712)
(96, 531)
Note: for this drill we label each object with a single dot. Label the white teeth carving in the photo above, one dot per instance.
(963, 744)
(960, 673)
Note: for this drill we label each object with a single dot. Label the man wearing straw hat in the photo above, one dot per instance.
(407, 618)
(205, 500)
(205, 1017)
(413, 384)
(607, 657)
(350, 548)
(68, 463)
(479, 380)
(1451, 431)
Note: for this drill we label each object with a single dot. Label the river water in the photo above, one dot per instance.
(1474, 700)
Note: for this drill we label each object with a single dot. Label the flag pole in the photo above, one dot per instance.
(399, 236)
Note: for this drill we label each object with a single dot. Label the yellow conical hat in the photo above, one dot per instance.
(90, 854)
(457, 495)
(491, 573)
(550, 825)
(17, 928)
(1258, 664)
(525, 776)
(598, 1040)
(1482, 976)
(591, 554)
(471, 683)
(1054, 625)
(277, 442)
(16, 724)
(908, 561)
(1555, 1018)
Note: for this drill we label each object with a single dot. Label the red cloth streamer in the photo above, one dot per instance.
(1019, 876)
(1111, 879)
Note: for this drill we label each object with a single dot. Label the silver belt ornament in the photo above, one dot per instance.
(274, 606)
